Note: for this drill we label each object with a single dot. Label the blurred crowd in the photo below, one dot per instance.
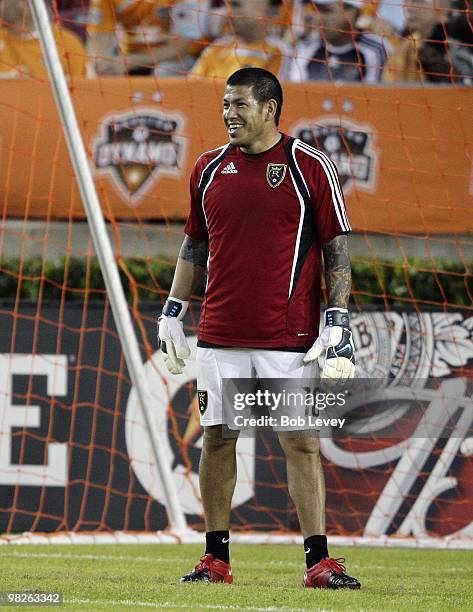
(370, 41)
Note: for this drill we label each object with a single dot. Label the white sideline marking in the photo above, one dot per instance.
(7, 553)
(194, 537)
(151, 559)
(167, 604)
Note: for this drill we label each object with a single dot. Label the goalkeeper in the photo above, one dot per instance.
(263, 209)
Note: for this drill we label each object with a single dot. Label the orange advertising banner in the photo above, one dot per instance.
(404, 155)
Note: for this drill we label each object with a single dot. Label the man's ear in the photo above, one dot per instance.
(271, 109)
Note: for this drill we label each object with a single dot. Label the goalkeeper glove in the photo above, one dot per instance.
(171, 338)
(333, 349)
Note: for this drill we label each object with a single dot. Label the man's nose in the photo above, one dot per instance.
(231, 111)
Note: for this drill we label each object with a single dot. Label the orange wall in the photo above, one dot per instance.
(416, 143)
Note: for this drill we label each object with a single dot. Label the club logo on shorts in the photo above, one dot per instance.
(136, 148)
(203, 399)
(350, 145)
(275, 174)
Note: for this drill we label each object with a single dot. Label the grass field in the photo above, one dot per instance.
(266, 578)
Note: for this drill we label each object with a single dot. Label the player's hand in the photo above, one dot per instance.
(171, 338)
(334, 349)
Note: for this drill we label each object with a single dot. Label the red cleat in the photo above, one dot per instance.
(210, 569)
(329, 574)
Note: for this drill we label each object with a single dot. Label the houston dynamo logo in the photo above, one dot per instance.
(349, 145)
(137, 147)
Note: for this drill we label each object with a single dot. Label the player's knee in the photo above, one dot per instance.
(302, 443)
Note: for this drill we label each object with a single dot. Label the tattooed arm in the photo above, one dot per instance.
(334, 350)
(190, 268)
(337, 271)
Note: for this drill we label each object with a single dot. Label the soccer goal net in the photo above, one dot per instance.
(97, 440)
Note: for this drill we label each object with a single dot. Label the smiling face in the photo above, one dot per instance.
(250, 124)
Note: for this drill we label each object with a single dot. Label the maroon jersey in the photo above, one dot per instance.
(265, 217)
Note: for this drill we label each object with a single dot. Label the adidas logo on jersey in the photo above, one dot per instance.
(229, 169)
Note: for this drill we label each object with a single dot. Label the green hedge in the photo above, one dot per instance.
(73, 278)
(414, 281)
(374, 282)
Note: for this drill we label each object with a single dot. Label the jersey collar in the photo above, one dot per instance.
(257, 155)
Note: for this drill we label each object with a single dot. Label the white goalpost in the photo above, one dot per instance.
(105, 255)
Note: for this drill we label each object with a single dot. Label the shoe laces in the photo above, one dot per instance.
(336, 565)
(201, 565)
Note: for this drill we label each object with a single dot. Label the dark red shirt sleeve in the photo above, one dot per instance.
(196, 226)
(330, 216)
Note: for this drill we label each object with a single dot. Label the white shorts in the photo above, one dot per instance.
(214, 365)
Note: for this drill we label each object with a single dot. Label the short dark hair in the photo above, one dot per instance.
(265, 86)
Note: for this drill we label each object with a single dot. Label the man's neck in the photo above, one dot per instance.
(253, 33)
(339, 41)
(268, 141)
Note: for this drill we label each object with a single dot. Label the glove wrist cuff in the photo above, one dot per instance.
(337, 317)
(175, 307)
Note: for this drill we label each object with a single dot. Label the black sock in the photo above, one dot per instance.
(315, 548)
(217, 544)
